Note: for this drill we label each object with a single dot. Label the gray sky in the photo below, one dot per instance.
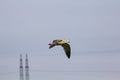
(92, 26)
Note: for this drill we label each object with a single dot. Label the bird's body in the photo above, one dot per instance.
(64, 44)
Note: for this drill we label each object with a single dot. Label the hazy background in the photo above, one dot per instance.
(92, 26)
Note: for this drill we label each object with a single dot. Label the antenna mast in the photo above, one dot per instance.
(26, 68)
(21, 68)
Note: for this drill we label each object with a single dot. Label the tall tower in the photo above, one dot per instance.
(26, 68)
(21, 68)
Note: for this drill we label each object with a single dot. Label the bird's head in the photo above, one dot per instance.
(66, 41)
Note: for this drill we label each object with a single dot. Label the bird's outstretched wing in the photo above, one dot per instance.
(67, 49)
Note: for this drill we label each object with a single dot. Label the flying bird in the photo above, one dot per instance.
(64, 44)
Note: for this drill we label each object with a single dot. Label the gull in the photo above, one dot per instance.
(64, 44)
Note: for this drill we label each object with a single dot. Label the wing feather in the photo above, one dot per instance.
(67, 49)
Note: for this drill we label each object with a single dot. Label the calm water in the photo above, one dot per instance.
(89, 66)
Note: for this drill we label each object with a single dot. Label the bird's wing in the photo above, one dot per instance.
(67, 49)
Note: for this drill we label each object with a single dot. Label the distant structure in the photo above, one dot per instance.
(21, 68)
(26, 68)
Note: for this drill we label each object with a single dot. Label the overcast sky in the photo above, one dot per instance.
(92, 26)
(29, 25)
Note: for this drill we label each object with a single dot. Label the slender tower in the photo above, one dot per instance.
(26, 68)
(21, 68)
